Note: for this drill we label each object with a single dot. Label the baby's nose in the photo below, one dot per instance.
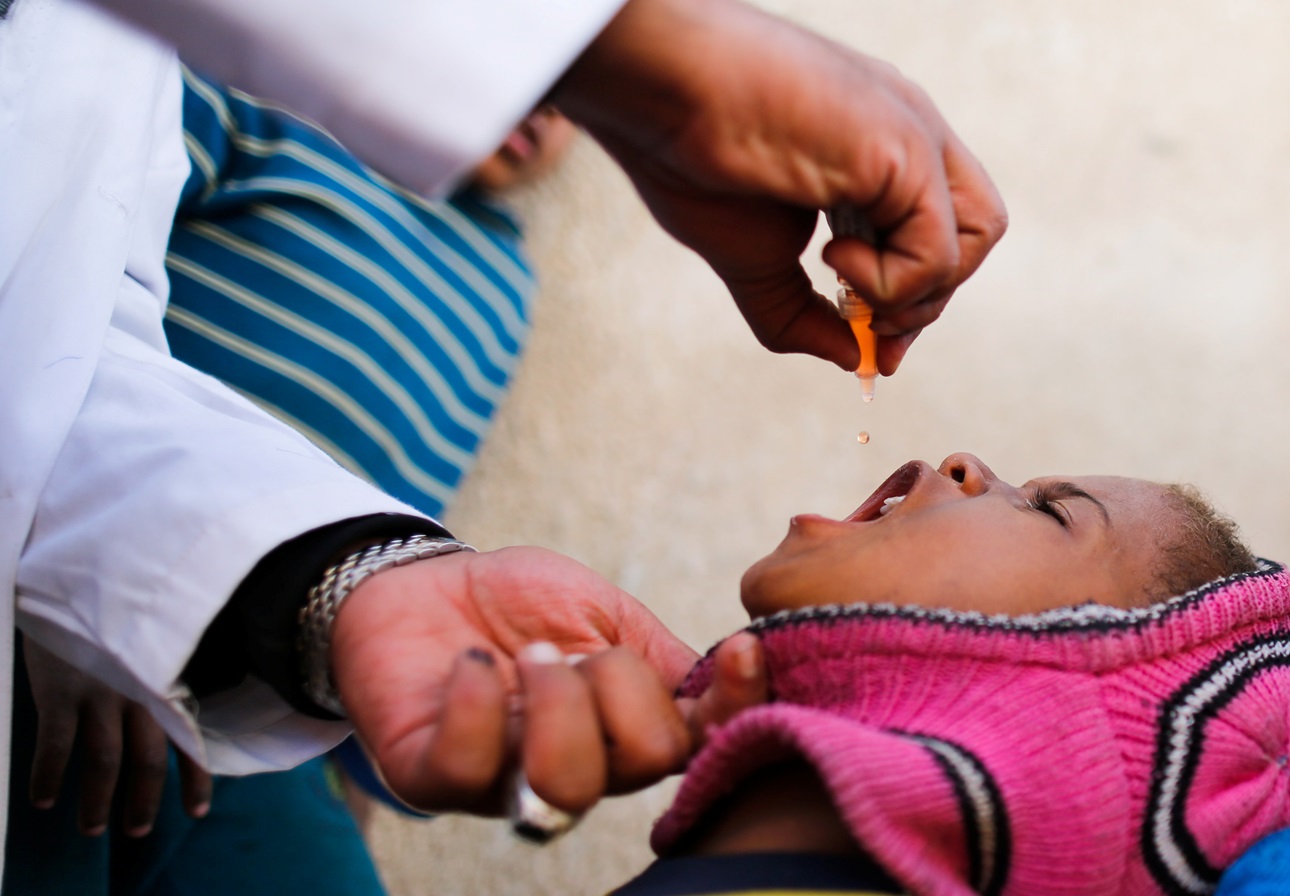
(968, 470)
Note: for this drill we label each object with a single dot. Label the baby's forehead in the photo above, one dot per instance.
(1137, 508)
(1125, 494)
(1123, 502)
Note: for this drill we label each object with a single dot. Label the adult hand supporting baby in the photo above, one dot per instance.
(453, 673)
(737, 128)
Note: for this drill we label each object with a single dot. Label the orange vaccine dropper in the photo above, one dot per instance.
(859, 315)
(848, 221)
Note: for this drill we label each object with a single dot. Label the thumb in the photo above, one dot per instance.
(787, 315)
(644, 633)
(739, 681)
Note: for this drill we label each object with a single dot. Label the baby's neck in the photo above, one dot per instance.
(783, 808)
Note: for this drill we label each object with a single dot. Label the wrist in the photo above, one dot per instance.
(317, 618)
(633, 80)
(256, 633)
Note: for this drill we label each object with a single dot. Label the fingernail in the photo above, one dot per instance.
(574, 658)
(480, 655)
(139, 830)
(542, 652)
(95, 831)
(43, 803)
(201, 810)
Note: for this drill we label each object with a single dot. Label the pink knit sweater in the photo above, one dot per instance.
(1086, 750)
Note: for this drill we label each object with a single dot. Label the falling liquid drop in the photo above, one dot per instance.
(863, 438)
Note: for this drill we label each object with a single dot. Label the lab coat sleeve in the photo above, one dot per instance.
(137, 492)
(129, 561)
(419, 89)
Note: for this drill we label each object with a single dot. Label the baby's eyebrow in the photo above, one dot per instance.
(1057, 491)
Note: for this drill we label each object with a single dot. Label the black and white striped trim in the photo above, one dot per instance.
(1170, 850)
(986, 834)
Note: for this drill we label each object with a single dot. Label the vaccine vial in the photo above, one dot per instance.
(859, 315)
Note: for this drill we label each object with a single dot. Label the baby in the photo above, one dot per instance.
(1076, 685)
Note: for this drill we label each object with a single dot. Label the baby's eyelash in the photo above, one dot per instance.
(1044, 502)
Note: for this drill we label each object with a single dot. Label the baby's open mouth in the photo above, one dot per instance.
(889, 494)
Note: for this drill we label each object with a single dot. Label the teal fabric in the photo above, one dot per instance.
(383, 326)
(288, 832)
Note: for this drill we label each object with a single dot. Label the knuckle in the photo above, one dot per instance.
(946, 267)
(772, 342)
(982, 230)
(933, 271)
(923, 315)
(998, 224)
(770, 336)
(886, 70)
(919, 99)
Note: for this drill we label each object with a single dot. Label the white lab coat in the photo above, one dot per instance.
(136, 493)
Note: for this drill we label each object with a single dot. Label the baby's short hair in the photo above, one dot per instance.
(1208, 547)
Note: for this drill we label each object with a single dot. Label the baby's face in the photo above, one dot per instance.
(957, 536)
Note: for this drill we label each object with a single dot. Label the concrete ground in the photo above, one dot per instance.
(1134, 320)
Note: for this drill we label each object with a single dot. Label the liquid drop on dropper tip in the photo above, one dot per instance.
(863, 438)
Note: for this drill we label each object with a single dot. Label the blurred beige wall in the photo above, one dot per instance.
(1134, 320)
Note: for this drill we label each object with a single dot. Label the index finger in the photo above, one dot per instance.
(980, 215)
(451, 760)
(916, 249)
(645, 735)
(981, 220)
(145, 770)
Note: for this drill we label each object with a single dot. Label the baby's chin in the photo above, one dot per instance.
(757, 591)
(772, 585)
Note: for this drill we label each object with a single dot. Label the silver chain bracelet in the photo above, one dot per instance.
(318, 615)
